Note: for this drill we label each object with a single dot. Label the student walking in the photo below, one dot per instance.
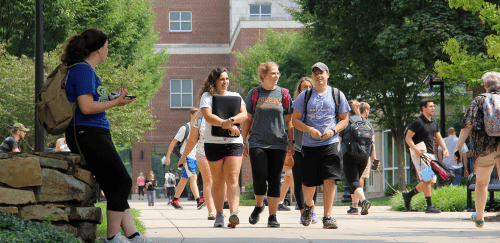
(270, 140)
(140, 185)
(170, 184)
(421, 133)
(224, 154)
(456, 167)
(151, 185)
(324, 119)
(484, 131)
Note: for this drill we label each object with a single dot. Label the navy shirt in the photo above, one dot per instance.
(83, 80)
(8, 145)
(425, 131)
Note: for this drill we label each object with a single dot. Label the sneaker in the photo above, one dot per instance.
(307, 216)
(226, 205)
(432, 209)
(219, 220)
(201, 203)
(140, 239)
(233, 220)
(314, 217)
(254, 216)
(478, 223)
(365, 205)
(352, 211)
(119, 238)
(329, 223)
(176, 204)
(272, 222)
(407, 199)
(297, 207)
(283, 207)
(211, 216)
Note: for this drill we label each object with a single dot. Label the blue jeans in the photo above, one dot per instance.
(458, 177)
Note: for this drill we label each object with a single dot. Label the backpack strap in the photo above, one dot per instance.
(255, 96)
(285, 99)
(336, 99)
(307, 96)
(185, 134)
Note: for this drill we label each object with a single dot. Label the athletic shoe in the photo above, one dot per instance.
(233, 220)
(254, 216)
(478, 223)
(201, 203)
(176, 204)
(307, 216)
(365, 205)
(140, 239)
(226, 205)
(314, 217)
(219, 220)
(211, 216)
(283, 207)
(119, 238)
(352, 211)
(297, 206)
(329, 223)
(272, 222)
(407, 199)
(432, 209)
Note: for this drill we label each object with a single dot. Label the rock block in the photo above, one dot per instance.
(59, 187)
(64, 227)
(53, 163)
(16, 196)
(87, 214)
(20, 172)
(11, 210)
(3, 155)
(41, 212)
(85, 176)
(86, 230)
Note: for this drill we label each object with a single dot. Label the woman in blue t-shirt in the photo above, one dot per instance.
(89, 131)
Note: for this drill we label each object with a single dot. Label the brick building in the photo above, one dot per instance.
(199, 36)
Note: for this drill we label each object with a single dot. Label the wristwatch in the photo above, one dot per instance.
(334, 132)
(231, 119)
(292, 141)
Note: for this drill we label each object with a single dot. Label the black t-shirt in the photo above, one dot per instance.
(8, 145)
(152, 186)
(424, 130)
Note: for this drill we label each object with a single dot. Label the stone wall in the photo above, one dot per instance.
(50, 187)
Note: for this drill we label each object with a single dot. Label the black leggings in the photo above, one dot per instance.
(298, 158)
(104, 162)
(353, 169)
(267, 164)
(141, 190)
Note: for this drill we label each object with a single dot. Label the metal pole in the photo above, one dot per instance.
(39, 132)
(443, 117)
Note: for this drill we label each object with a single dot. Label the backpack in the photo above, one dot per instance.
(255, 96)
(359, 143)
(177, 148)
(171, 179)
(336, 99)
(55, 112)
(491, 110)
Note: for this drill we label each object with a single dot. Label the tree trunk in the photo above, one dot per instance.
(400, 149)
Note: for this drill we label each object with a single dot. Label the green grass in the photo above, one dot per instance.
(383, 201)
(102, 228)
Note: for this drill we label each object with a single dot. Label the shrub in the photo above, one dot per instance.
(13, 229)
(446, 198)
(102, 228)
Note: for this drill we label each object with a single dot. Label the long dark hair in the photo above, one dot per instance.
(209, 85)
(78, 47)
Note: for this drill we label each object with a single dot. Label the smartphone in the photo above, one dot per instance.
(130, 97)
(458, 156)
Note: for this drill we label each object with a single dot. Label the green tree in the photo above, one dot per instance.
(381, 52)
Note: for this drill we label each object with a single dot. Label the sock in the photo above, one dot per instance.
(175, 198)
(413, 192)
(281, 202)
(133, 235)
(429, 201)
(197, 200)
(110, 238)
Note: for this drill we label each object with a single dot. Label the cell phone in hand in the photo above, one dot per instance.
(458, 156)
(130, 97)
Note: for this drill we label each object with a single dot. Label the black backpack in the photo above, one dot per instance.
(177, 148)
(358, 140)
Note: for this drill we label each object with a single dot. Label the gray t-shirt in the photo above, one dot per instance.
(8, 145)
(268, 127)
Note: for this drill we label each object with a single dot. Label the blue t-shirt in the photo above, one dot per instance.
(320, 112)
(83, 80)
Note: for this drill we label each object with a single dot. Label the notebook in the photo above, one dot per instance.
(225, 107)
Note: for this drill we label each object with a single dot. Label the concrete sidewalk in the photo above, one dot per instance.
(165, 224)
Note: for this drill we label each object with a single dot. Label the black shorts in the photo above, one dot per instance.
(321, 163)
(216, 152)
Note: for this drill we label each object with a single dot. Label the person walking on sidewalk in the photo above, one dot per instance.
(456, 167)
(151, 185)
(140, 185)
(189, 165)
(323, 121)
(286, 183)
(424, 130)
(486, 150)
(170, 184)
(224, 154)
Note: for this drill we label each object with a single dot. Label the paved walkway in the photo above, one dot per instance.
(165, 224)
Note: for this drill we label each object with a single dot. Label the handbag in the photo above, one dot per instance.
(426, 174)
(444, 174)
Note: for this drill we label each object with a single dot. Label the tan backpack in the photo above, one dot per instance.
(55, 112)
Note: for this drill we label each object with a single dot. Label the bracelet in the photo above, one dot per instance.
(310, 130)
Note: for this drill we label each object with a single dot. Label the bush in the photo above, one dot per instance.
(446, 199)
(13, 229)
(102, 228)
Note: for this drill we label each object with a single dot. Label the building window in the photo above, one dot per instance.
(260, 10)
(180, 21)
(390, 161)
(181, 93)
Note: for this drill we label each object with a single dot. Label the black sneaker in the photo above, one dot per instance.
(254, 216)
(365, 205)
(272, 222)
(306, 216)
(352, 211)
(201, 203)
(226, 205)
(283, 207)
(432, 209)
(407, 199)
(176, 204)
(329, 223)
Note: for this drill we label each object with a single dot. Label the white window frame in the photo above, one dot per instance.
(181, 93)
(394, 167)
(260, 11)
(180, 21)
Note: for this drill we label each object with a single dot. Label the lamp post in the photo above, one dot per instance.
(39, 133)
(434, 80)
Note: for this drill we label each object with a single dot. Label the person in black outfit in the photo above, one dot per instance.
(151, 184)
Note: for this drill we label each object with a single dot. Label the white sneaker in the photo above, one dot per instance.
(140, 239)
(119, 238)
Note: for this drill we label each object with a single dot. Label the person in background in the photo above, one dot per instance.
(456, 167)
(151, 185)
(286, 183)
(10, 144)
(140, 185)
(62, 145)
(170, 187)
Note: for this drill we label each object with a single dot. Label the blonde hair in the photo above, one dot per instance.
(193, 110)
(363, 106)
(151, 173)
(264, 69)
(297, 88)
(354, 104)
